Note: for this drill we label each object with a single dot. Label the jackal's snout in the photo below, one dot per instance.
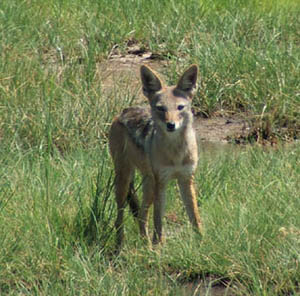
(172, 118)
(171, 126)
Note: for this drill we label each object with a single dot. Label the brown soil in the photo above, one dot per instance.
(221, 129)
(123, 70)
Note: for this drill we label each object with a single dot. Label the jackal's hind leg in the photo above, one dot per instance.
(133, 199)
(122, 183)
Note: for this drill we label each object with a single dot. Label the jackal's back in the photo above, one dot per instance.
(139, 124)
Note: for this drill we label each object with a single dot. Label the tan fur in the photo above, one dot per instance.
(160, 142)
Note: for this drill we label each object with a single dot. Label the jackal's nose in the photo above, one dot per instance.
(171, 126)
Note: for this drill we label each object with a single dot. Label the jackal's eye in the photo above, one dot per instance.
(161, 108)
(180, 107)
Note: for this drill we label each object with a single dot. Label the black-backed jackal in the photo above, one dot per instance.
(161, 143)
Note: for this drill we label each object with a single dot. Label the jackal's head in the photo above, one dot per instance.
(170, 105)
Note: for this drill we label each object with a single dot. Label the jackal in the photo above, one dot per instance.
(161, 143)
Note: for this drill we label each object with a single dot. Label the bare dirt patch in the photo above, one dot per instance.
(123, 68)
(221, 129)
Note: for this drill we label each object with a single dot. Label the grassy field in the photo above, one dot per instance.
(56, 227)
(56, 179)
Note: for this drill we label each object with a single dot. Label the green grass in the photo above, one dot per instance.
(56, 203)
(57, 214)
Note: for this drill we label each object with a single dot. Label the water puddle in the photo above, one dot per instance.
(208, 288)
(208, 148)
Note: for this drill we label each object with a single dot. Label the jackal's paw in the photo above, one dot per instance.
(199, 231)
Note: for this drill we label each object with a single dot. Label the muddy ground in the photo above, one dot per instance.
(123, 70)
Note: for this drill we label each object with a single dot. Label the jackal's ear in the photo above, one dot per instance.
(151, 82)
(188, 80)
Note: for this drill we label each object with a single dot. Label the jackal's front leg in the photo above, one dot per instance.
(159, 207)
(148, 196)
(121, 190)
(188, 195)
